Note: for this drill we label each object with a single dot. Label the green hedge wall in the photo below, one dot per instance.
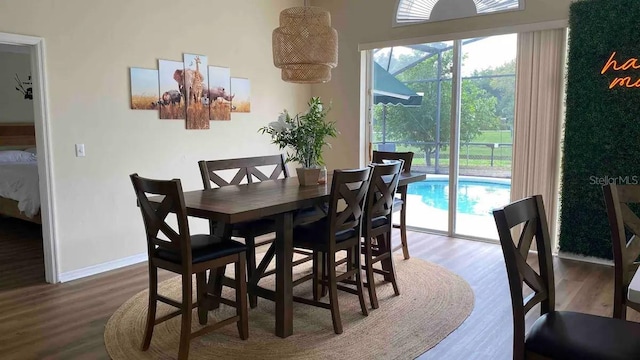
(602, 131)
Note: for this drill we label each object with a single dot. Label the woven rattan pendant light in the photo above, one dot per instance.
(305, 46)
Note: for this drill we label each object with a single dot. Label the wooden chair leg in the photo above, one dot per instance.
(151, 309)
(333, 294)
(371, 286)
(359, 285)
(250, 241)
(387, 264)
(201, 290)
(241, 297)
(185, 329)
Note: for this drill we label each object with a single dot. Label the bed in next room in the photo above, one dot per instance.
(19, 184)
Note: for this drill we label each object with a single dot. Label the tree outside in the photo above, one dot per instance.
(487, 106)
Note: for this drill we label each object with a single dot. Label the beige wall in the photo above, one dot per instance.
(90, 46)
(370, 21)
(13, 106)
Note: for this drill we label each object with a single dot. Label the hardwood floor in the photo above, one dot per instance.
(66, 321)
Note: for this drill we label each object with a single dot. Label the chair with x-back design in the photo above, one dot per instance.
(340, 230)
(555, 334)
(376, 227)
(225, 172)
(625, 252)
(401, 203)
(178, 251)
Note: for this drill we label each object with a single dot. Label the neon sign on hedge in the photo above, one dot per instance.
(626, 81)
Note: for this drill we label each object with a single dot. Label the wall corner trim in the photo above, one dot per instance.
(100, 268)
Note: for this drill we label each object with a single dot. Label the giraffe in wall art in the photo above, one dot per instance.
(196, 86)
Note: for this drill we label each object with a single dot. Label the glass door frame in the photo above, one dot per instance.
(454, 141)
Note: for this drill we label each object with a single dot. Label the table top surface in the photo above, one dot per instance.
(237, 203)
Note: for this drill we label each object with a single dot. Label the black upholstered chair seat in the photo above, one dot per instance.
(203, 248)
(569, 335)
(310, 214)
(313, 236)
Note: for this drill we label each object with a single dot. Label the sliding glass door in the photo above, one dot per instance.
(452, 104)
(411, 112)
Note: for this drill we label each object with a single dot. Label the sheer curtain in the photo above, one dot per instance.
(538, 119)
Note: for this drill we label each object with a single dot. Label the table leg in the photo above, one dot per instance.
(284, 276)
(403, 224)
(384, 244)
(216, 276)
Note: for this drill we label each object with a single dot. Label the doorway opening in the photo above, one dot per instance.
(35, 47)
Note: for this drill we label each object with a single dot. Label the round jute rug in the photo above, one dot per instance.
(432, 303)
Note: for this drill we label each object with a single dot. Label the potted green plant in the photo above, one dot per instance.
(305, 134)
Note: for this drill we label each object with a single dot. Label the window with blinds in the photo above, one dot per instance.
(419, 11)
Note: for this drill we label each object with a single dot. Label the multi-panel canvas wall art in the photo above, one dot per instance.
(190, 90)
(240, 88)
(219, 96)
(171, 102)
(196, 91)
(144, 88)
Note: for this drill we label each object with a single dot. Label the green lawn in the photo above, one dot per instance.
(473, 155)
(494, 136)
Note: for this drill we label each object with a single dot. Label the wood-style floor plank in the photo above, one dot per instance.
(66, 321)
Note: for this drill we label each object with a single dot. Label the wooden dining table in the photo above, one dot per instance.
(277, 199)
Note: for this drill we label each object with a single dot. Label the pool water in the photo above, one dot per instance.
(474, 197)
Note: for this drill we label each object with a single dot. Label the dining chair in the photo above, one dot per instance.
(619, 200)
(339, 231)
(376, 227)
(400, 204)
(555, 334)
(218, 173)
(179, 252)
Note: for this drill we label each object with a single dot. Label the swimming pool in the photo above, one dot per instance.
(476, 196)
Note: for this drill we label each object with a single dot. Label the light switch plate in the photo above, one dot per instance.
(80, 150)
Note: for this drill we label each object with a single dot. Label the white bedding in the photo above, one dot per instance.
(19, 181)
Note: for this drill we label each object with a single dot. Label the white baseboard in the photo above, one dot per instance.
(588, 259)
(100, 268)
